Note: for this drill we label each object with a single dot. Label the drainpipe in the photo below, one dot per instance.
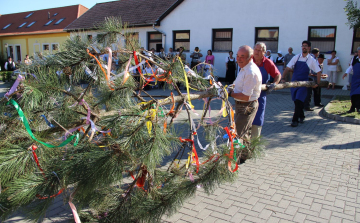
(163, 36)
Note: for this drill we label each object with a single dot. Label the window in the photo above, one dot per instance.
(7, 26)
(322, 37)
(269, 36)
(22, 25)
(154, 41)
(181, 38)
(46, 47)
(55, 14)
(48, 23)
(222, 39)
(54, 46)
(356, 40)
(32, 23)
(59, 21)
(28, 15)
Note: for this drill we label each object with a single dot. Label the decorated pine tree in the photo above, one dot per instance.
(108, 145)
(74, 127)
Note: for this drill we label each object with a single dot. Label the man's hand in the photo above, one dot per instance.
(316, 85)
(343, 77)
(282, 81)
(271, 87)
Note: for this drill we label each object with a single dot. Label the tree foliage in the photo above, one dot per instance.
(353, 14)
(137, 172)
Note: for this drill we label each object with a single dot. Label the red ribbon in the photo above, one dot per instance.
(194, 151)
(34, 147)
(137, 62)
(231, 154)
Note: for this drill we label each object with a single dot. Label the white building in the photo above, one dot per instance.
(225, 25)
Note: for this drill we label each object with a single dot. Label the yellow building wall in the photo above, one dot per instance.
(27, 43)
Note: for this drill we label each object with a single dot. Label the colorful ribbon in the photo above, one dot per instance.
(47, 121)
(187, 83)
(231, 154)
(28, 129)
(194, 151)
(98, 62)
(15, 85)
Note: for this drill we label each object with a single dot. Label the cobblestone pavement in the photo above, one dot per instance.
(309, 174)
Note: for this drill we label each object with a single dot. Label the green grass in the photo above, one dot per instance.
(340, 105)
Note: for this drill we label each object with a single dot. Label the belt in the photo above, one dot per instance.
(245, 102)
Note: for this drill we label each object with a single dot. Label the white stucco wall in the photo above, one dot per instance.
(292, 17)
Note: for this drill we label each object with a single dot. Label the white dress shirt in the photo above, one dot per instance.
(310, 61)
(249, 81)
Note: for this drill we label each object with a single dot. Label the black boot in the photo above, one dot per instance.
(352, 108)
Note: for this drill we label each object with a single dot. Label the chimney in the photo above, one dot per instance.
(48, 15)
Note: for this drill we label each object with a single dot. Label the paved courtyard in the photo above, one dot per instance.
(309, 174)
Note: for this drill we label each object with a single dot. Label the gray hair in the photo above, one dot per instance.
(248, 49)
(358, 48)
(262, 45)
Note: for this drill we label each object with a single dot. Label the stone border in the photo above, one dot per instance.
(326, 114)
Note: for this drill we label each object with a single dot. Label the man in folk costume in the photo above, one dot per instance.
(355, 82)
(301, 64)
(266, 67)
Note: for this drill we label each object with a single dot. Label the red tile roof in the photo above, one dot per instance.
(40, 17)
(132, 12)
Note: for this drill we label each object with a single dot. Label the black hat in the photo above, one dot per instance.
(322, 56)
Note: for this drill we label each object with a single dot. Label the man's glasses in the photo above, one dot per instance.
(304, 46)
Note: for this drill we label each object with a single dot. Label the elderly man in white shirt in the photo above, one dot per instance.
(247, 89)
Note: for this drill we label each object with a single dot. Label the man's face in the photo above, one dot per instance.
(358, 52)
(321, 60)
(267, 53)
(316, 54)
(290, 50)
(258, 53)
(27, 57)
(170, 50)
(305, 48)
(10, 59)
(242, 57)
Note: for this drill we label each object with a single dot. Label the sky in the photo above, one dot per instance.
(15, 6)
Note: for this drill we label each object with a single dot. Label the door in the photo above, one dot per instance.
(17, 53)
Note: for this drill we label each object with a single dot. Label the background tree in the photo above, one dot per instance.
(353, 14)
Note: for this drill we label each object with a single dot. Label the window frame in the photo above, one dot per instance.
(42, 47)
(7, 26)
(153, 41)
(221, 39)
(29, 15)
(257, 39)
(180, 40)
(49, 22)
(59, 21)
(322, 38)
(355, 39)
(22, 25)
(30, 24)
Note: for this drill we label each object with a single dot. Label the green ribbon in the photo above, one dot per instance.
(28, 129)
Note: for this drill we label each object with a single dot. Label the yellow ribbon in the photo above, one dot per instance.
(224, 113)
(188, 161)
(187, 83)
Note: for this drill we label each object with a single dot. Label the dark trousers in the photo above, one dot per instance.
(299, 110)
(355, 102)
(317, 94)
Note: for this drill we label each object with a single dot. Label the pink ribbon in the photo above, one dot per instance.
(15, 85)
(73, 209)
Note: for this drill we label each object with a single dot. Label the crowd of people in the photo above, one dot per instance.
(257, 67)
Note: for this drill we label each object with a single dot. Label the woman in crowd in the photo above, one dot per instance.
(210, 57)
(332, 63)
(230, 63)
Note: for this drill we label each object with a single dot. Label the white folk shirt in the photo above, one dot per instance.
(249, 81)
(310, 61)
